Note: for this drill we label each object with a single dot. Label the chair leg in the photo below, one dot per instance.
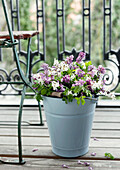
(19, 126)
(20, 161)
(40, 113)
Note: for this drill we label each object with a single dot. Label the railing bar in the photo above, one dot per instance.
(83, 25)
(89, 29)
(104, 29)
(57, 24)
(110, 27)
(11, 6)
(37, 18)
(63, 24)
(0, 54)
(43, 20)
(18, 22)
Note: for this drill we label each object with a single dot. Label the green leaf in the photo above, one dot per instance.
(38, 97)
(78, 100)
(44, 91)
(82, 100)
(77, 89)
(70, 97)
(88, 63)
(109, 155)
(65, 99)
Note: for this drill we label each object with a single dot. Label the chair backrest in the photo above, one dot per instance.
(8, 21)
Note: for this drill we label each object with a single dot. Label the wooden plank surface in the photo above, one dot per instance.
(49, 164)
(106, 128)
(18, 34)
(56, 164)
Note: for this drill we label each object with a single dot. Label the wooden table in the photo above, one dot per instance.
(18, 34)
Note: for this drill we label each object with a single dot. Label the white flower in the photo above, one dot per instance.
(83, 64)
(56, 62)
(55, 85)
(52, 71)
(38, 78)
(72, 76)
(96, 85)
(88, 78)
(75, 94)
(69, 92)
(59, 74)
(95, 71)
(64, 66)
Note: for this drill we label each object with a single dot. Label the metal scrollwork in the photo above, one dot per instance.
(3, 78)
(112, 76)
(15, 77)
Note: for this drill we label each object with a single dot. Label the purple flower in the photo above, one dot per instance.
(101, 69)
(79, 83)
(47, 80)
(91, 67)
(69, 59)
(66, 79)
(52, 77)
(79, 162)
(93, 154)
(53, 67)
(96, 139)
(90, 168)
(34, 88)
(34, 150)
(46, 72)
(64, 166)
(92, 73)
(44, 66)
(88, 81)
(80, 57)
(87, 163)
(62, 88)
(80, 73)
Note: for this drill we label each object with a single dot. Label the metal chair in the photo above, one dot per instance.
(10, 40)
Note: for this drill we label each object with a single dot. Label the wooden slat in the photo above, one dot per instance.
(55, 164)
(45, 141)
(106, 128)
(103, 126)
(46, 151)
(18, 34)
(114, 134)
(96, 126)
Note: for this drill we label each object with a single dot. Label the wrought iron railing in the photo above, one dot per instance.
(60, 14)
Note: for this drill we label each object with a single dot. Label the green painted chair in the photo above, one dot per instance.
(10, 40)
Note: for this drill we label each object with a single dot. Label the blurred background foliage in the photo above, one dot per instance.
(73, 28)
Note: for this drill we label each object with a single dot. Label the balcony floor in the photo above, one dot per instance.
(106, 128)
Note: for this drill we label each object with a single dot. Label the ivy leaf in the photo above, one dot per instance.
(109, 155)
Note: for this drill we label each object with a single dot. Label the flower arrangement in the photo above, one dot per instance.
(71, 79)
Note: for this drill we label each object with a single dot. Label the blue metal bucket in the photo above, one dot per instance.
(69, 125)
